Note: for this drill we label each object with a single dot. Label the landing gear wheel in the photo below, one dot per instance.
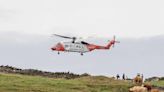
(82, 54)
(58, 52)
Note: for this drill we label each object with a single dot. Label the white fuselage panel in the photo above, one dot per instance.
(75, 47)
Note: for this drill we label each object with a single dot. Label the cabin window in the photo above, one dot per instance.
(66, 46)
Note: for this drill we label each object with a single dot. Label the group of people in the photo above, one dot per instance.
(139, 86)
(123, 77)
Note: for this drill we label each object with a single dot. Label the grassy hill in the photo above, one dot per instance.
(29, 80)
(159, 83)
(24, 83)
(156, 81)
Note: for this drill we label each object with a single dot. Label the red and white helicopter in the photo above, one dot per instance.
(79, 46)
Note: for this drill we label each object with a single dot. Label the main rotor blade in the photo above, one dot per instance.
(64, 36)
(117, 41)
(114, 37)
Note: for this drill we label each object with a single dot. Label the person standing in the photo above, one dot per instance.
(142, 76)
(117, 76)
(123, 76)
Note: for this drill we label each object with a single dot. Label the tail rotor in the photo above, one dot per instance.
(114, 41)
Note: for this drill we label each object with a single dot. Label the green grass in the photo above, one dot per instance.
(22, 83)
(158, 83)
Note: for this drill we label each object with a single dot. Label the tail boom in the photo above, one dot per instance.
(111, 43)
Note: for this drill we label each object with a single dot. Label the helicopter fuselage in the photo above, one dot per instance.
(75, 47)
(80, 47)
(71, 47)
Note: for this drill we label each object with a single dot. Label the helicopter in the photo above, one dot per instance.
(79, 46)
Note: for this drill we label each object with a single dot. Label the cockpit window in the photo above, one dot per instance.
(58, 45)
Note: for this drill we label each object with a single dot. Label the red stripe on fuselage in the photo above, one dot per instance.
(93, 47)
(58, 47)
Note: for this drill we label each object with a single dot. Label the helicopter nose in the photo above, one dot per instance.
(53, 48)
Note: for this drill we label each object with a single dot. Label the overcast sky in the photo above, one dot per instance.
(26, 27)
(125, 18)
(131, 56)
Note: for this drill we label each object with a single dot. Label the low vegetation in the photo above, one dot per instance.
(30, 80)
(159, 83)
(34, 72)
(24, 83)
(156, 81)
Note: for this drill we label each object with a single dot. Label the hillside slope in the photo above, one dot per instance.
(24, 83)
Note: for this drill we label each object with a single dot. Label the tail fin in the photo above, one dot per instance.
(112, 42)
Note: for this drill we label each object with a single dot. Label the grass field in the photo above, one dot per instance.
(158, 83)
(22, 83)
